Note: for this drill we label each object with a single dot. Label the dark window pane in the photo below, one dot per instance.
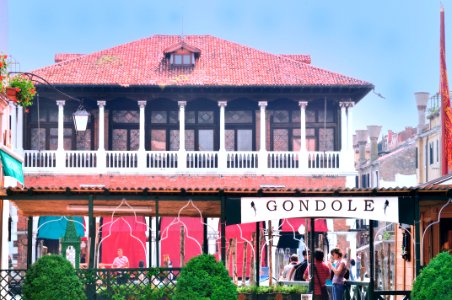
(134, 139)
(158, 140)
(244, 140)
(38, 137)
(190, 140)
(310, 116)
(229, 140)
(238, 116)
(174, 140)
(326, 139)
(158, 117)
(280, 140)
(190, 117)
(205, 140)
(126, 116)
(83, 140)
(281, 116)
(119, 140)
(173, 117)
(296, 116)
(329, 116)
(205, 117)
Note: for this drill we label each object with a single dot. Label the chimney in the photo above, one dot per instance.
(361, 137)
(421, 102)
(374, 133)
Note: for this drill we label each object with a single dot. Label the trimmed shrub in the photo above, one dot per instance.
(52, 277)
(435, 280)
(204, 278)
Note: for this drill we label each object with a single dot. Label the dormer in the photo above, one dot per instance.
(182, 54)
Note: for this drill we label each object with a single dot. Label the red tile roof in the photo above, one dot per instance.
(304, 58)
(221, 63)
(60, 57)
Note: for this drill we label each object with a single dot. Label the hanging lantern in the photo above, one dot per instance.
(80, 117)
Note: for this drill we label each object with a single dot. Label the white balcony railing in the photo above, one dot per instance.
(193, 162)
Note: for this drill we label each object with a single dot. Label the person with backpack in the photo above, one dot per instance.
(287, 271)
(297, 273)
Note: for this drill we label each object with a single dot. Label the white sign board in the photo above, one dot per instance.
(254, 209)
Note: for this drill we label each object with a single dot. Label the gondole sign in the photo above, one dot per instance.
(255, 209)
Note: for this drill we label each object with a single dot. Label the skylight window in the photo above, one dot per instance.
(182, 59)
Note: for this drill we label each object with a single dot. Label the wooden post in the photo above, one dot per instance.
(182, 246)
(363, 266)
(270, 256)
(245, 247)
(228, 254)
(234, 261)
(388, 268)
(252, 263)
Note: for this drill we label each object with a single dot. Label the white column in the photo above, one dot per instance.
(263, 137)
(182, 162)
(222, 155)
(303, 156)
(344, 127)
(142, 148)
(101, 155)
(350, 125)
(20, 129)
(60, 149)
(13, 110)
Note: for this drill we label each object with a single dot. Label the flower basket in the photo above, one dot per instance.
(11, 93)
(24, 88)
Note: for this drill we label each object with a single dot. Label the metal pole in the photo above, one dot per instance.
(311, 249)
(371, 260)
(258, 252)
(205, 246)
(223, 230)
(92, 232)
(417, 229)
(150, 242)
(29, 242)
(157, 232)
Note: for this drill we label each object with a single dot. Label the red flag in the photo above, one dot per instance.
(446, 111)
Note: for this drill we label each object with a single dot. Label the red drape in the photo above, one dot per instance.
(446, 111)
(170, 239)
(122, 232)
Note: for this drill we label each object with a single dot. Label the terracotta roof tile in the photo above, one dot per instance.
(220, 63)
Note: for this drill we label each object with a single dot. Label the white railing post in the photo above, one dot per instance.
(60, 155)
(20, 129)
(13, 110)
(182, 157)
(101, 154)
(222, 159)
(263, 138)
(344, 137)
(303, 158)
(141, 148)
(350, 152)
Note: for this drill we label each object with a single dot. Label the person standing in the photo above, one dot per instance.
(293, 261)
(321, 274)
(339, 269)
(297, 272)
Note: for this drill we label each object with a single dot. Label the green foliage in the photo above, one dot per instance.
(435, 280)
(3, 72)
(25, 90)
(204, 278)
(284, 289)
(136, 292)
(52, 277)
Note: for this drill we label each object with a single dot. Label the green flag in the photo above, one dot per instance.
(12, 167)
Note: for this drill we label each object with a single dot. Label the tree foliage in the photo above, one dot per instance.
(52, 277)
(435, 280)
(205, 278)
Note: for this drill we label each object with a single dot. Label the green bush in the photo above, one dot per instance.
(204, 278)
(435, 280)
(52, 277)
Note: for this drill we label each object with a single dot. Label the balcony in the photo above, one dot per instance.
(188, 162)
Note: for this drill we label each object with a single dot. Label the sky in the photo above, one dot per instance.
(393, 44)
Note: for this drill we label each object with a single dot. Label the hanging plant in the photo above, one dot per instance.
(24, 90)
(3, 72)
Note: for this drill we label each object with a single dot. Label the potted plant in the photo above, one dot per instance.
(247, 292)
(204, 278)
(435, 279)
(21, 90)
(52, 277)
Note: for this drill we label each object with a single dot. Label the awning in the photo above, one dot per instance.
(292, 224)
(289, 240)
(12, 166)
(54, 227)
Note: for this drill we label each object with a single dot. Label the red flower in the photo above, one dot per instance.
(27, 110)
(17, 89)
